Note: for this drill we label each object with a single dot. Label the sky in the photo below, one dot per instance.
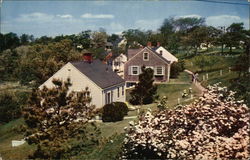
(52, 18)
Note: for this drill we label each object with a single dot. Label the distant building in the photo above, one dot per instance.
(165, 54)
(108, 46)
(148, 58)
(105, 86)
(118, 64)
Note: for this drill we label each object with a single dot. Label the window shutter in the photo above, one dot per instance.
(129, 70)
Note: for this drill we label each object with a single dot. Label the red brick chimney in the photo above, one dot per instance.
(158, 44)
(149, 44)
(87, 57)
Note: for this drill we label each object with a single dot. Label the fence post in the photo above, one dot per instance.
(229, 69)
(203, 78)
(207, 76)
(221, 72)
(179, 100)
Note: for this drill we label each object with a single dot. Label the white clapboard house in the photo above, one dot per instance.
(105, 86)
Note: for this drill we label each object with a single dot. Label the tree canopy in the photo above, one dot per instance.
(55, 116)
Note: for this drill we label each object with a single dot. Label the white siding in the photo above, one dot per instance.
(79, 82)
(121, 97)
(167, 55)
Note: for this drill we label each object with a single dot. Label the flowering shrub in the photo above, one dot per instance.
(215, 126)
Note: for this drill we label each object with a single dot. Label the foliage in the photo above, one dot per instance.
(241, 83)
(215, 126)
(9, 107)
(176, 68)
(135, 35)
(234, 35)
(163, 103)
(42, 61)
(11, 104)
(114, 111)
(55, 117)
(144, 92)
(99, 39)
(201, 61)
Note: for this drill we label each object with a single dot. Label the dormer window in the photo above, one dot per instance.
(145, 56)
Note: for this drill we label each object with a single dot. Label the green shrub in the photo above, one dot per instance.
(10, 105)
(114, 112)
(176, 68)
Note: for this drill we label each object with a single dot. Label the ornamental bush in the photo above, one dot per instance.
(114, 112)
(176, 68)
(215, 126)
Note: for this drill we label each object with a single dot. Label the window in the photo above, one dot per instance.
(159, 70)
(135, 70)
(118, 92)
(145, 56)
(149, 67)
(123, 90)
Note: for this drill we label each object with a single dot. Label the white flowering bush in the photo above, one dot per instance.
(215, 126)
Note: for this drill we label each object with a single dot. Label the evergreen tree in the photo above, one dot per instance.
(144, 92)
(56, 117)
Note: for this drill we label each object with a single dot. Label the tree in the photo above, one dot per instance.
(54, 117)
(135, 36)
(24, 39)
(83, 38)
(215, 126)
(144, 92)
(113, 38)
(234, 35)
(99, 39)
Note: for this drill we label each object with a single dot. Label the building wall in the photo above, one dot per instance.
(153, 61)
(79, 82)
(114, 90)
(119, 68)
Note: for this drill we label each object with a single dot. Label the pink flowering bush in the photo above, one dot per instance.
(215, 126)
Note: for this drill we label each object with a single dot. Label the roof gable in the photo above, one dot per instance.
(166, 54)
(146, 49)
(99, 73)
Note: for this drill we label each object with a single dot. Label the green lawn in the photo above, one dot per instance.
(9, 132)
(214, 75)
(112, 132)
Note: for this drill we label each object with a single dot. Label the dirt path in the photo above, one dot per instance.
(196, 83)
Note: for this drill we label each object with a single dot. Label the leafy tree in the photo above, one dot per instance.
(176, 68)
(9, 41)
(113, 38)
(187, 23)
(24, 39)
(99, 39)
(134, 36)
(144, 92)
(234, 35)
(215, 126)
(55, 117)
(83, 38)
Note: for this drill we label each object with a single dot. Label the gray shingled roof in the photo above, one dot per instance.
(99, 73)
